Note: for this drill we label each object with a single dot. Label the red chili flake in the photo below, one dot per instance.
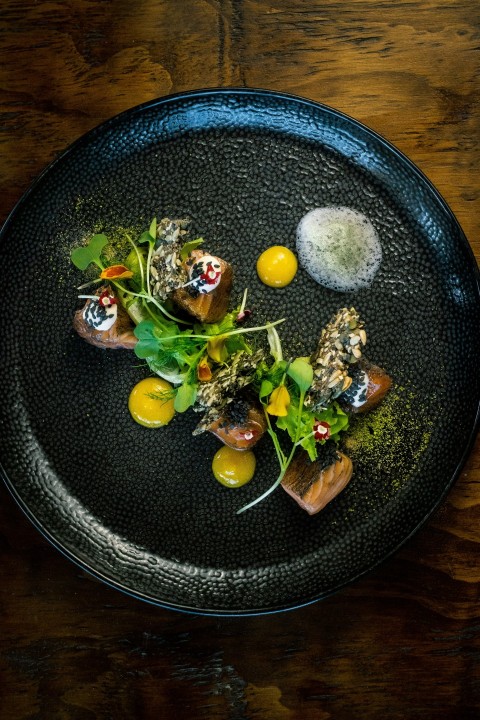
(321, 430)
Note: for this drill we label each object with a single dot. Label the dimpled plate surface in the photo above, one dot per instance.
(139, 508)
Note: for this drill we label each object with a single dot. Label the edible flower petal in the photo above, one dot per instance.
(243, 315)
(204, 372)
(116, 272)
(106, 299)
(279, 402)
(216, 348)
(321, 430)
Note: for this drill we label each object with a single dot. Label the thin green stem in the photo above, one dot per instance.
(283, 464)
(149, 260)
(139, 259)
(280, 454)
(150, 298)
(229, 333)
(244, 301)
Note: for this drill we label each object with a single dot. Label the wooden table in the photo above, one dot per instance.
(404, 642)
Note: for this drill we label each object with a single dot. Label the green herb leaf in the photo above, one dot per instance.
(188, 247)
(301, 372)
(144, 330)
(147, 345)
(275, 344)
(145, 237)
(83, 256)
(149, 236)
(153, 228)
(265, 388)
(310, 445)
(336, 418)
(146, 348)
(136, 261)
(185, 397)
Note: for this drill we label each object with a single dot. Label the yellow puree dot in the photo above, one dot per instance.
(149, 411)
(233, 468)
(277, 266)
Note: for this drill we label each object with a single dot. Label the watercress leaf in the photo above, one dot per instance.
(83, 256)
(153, 228)
(188, 247)
(185, 397)
(144, 330)
(146, 348)
(266, 388)
(301, 373)
(310, 445)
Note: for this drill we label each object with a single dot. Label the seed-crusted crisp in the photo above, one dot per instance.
(224, 386)
(339, 347)
(167, 272)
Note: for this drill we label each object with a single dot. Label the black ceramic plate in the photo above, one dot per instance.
(139, 508)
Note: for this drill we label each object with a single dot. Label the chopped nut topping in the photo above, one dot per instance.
(338, 348)
(166, 268)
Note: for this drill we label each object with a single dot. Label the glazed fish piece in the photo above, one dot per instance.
(200, 283)
(370, 383)
(206, 294)
(241, 424)
(314, 484)
(103, 322)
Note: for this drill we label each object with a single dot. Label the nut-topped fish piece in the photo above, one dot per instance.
(224, 387)
(197, 281)
(340, 346)
(167, 272)
(206, 294)
(370, 383)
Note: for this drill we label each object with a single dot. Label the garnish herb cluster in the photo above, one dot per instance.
(187, 353)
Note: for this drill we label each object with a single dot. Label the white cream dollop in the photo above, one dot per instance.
(100, 316)
(205, 274)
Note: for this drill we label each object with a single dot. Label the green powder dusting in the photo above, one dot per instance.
(391, 439)
(119, 246)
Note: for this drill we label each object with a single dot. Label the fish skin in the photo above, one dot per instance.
(321, 487)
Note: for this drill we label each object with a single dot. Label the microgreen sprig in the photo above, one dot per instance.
(297, 420)
(301, 372)
(91, 253)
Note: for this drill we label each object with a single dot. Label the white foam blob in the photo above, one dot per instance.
(339, 248)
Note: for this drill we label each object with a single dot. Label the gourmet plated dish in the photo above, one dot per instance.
(166, 297)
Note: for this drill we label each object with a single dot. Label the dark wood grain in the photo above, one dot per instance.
(404, 641)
